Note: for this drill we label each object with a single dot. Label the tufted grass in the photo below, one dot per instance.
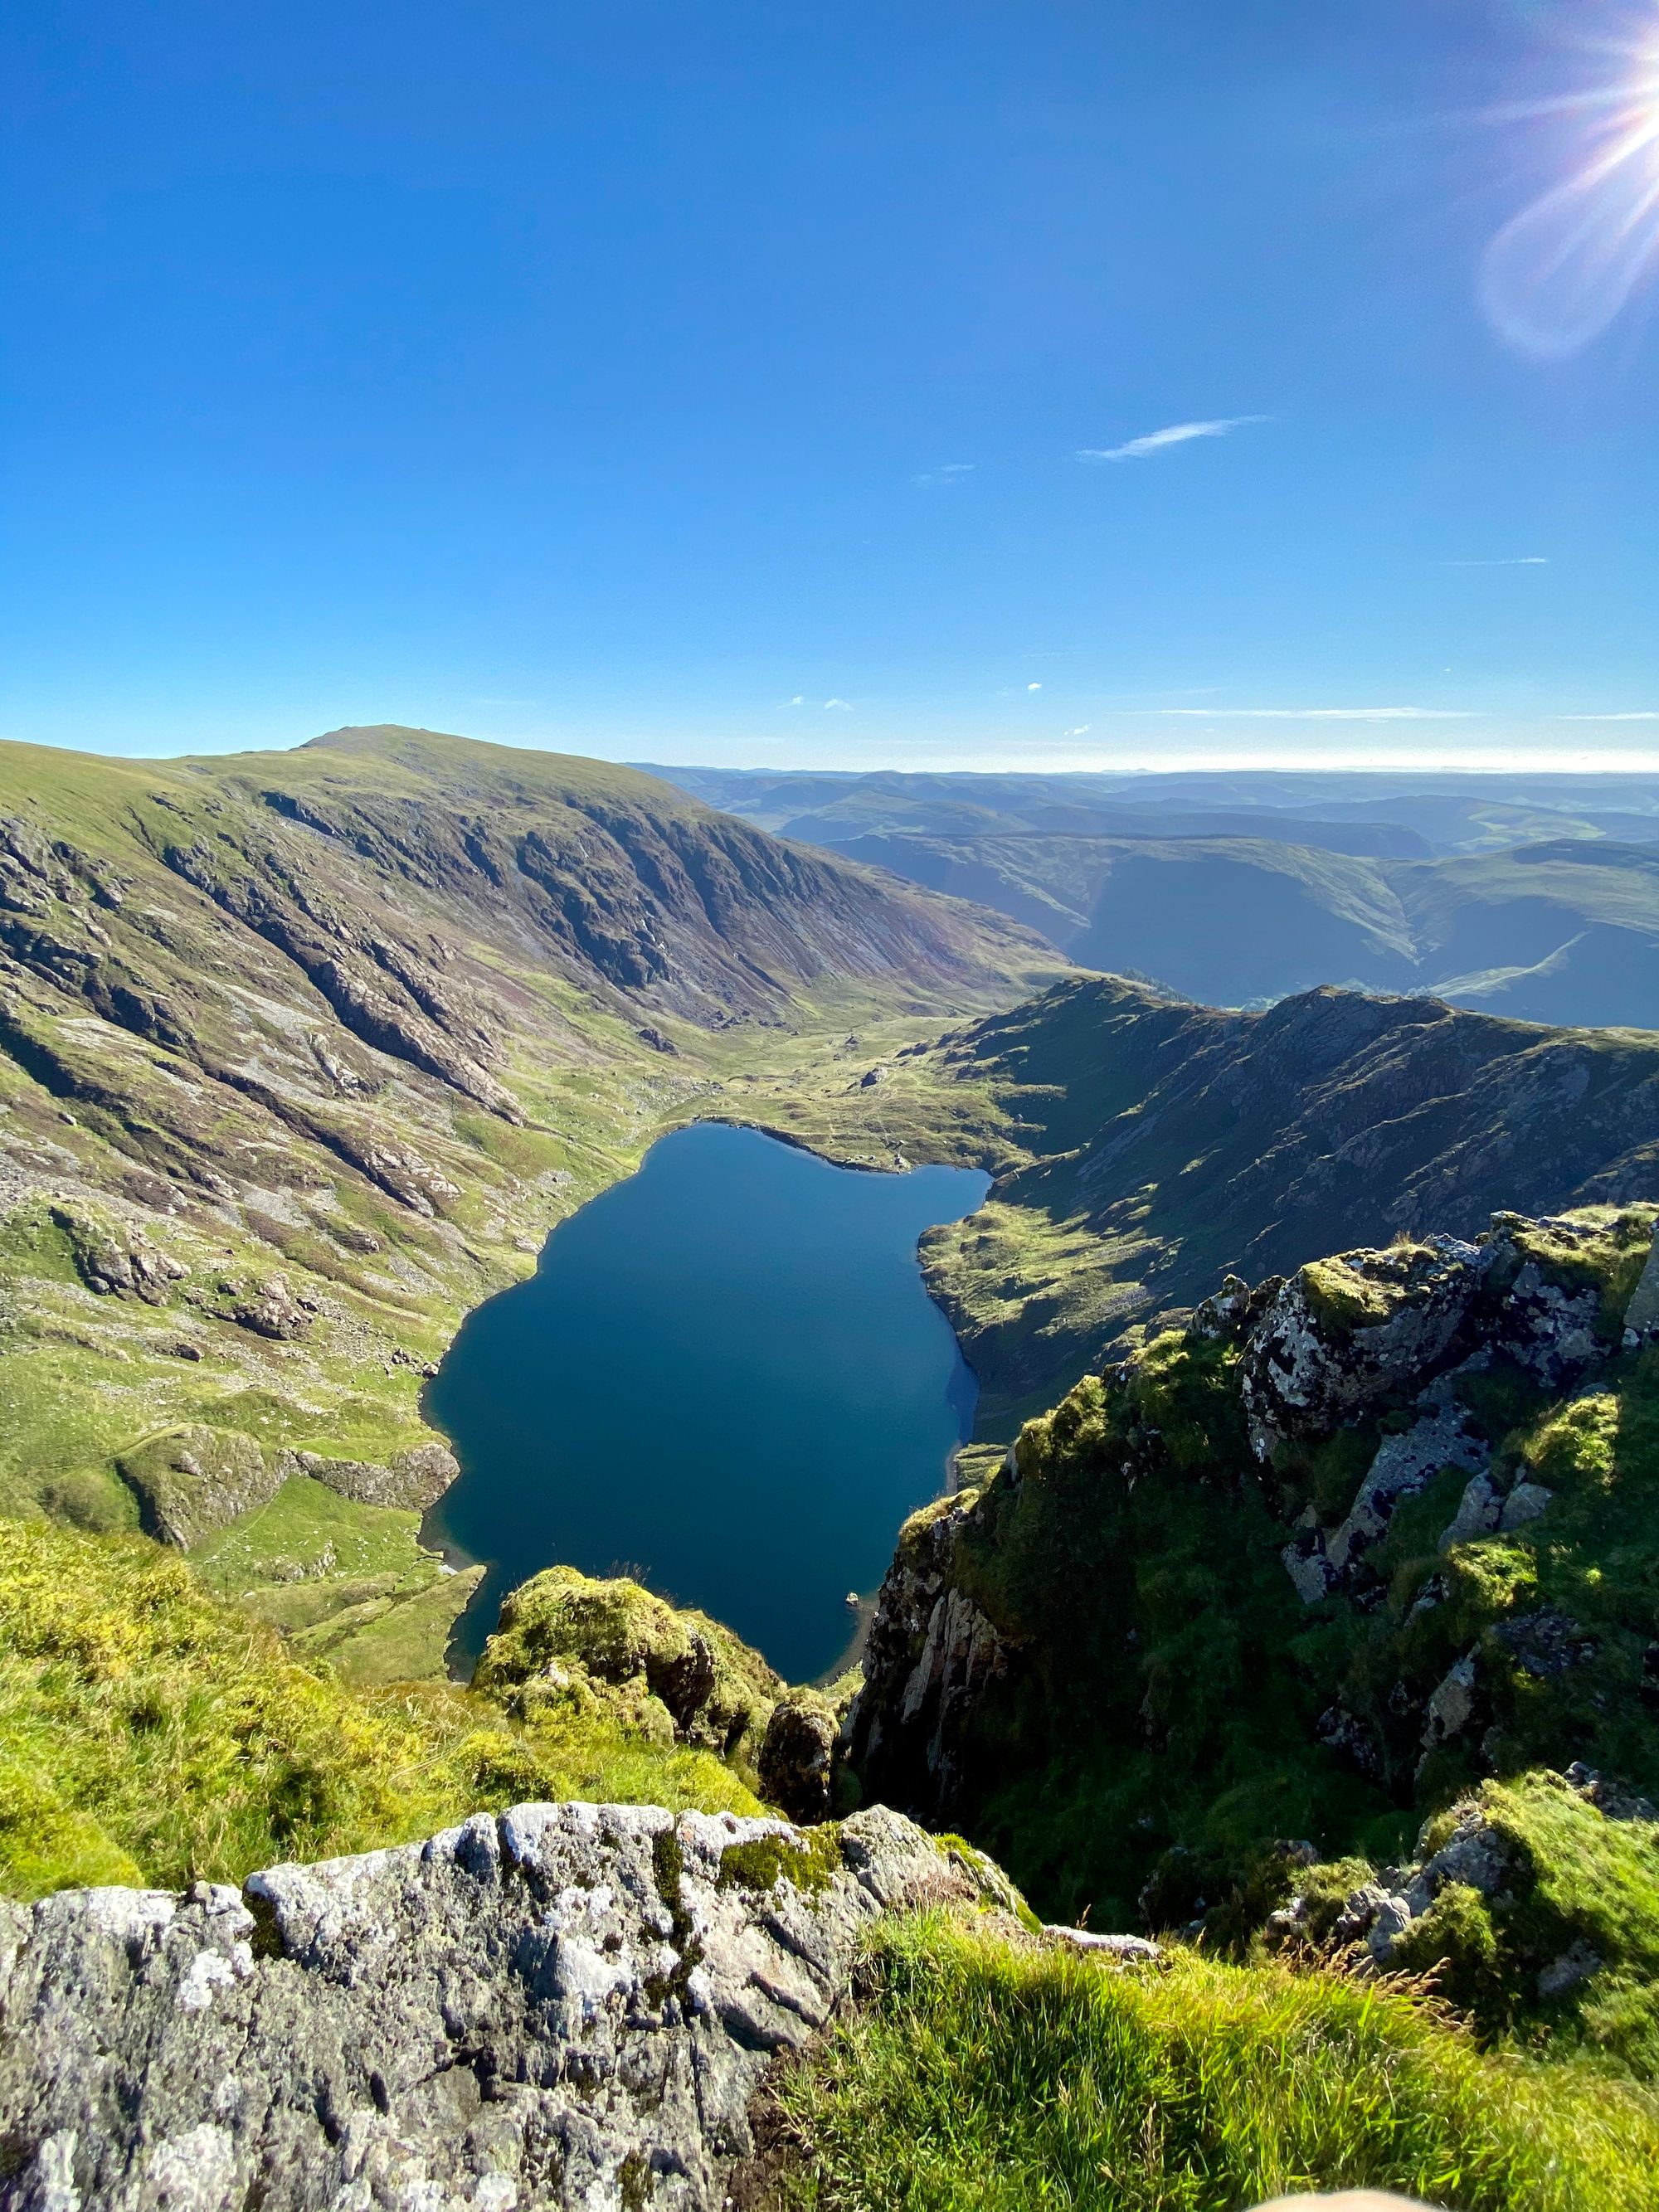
(982, 2075)
(151, 1733)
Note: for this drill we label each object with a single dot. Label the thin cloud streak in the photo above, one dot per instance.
(1176, 433)
(1319, 713)
(1641, 714)
(1518, 560)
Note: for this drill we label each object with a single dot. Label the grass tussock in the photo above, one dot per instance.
(982, 2076)
(149, 1733)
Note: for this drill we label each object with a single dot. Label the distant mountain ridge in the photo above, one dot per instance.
(1537, 897)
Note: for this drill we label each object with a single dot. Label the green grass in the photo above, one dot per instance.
(349, 1583)
(1575, 1880)
(150, 1734)
(985, 2075)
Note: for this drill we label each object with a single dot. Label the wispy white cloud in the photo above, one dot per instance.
(800, 699)
(1640, 715)
(1319, 713)
(1034, 687)
(952, 473)
(845, 706)
(1176, 433)
(1081, 731)
(1514, 561)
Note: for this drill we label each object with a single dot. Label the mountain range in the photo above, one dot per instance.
(1537, 899)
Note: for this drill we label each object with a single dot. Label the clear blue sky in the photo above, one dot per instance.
(610, 375)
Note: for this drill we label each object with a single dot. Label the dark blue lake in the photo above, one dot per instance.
(725, 1378)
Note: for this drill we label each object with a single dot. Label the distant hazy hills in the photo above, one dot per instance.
(1536, 897)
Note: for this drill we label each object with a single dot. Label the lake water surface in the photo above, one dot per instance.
(725, 1378)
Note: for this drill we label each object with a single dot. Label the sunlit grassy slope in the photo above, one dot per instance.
(984, 2075)
(151, 1734)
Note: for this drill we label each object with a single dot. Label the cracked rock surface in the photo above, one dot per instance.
(569, 2005)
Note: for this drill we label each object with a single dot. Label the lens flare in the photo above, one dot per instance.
(1557, 275)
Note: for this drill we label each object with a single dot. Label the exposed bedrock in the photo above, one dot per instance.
(569, 2005)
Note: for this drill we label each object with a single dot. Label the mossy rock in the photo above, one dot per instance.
(808, 1863)
(718, 1692)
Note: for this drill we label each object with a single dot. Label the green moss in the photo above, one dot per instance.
(808, 1860)
(1342, 1301)
(1455, 1944)
(713, 1689)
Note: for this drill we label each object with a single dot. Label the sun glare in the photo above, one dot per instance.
(1557, 275)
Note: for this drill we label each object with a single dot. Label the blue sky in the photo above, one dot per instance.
(642, 379)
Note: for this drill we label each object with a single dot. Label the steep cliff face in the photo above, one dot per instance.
(1335, 1549)
(569, 2005)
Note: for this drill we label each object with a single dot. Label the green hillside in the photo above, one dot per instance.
(302, 1055)
(1155, 1144)
(1347, 1553)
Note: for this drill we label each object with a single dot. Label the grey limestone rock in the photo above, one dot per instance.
(570, 2005)
(415, 1479)
(1125, 1949)
(929, 1653)
(1339, 1336)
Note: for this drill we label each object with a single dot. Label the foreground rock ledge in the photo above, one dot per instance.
(569, 2005)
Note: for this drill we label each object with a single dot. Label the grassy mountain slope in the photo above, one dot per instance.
(984, 2072)
(1155, 1144)
(301, 1055)
(151, 1734)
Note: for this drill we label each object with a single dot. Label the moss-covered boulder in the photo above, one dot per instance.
(563, 1634)
(1532, 1906)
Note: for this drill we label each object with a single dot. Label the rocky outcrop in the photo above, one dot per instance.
(413, 1479)
(796, 1760)
(570, 2005)
(193, 1480)
(1405, 1917)
(1360, 1536)
(117, 1259)
(1345, 1332)
(929, 1655)
(565, 1637)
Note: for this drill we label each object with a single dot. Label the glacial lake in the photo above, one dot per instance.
(725, 1378)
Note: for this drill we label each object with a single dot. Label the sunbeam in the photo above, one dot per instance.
(1558, 274)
